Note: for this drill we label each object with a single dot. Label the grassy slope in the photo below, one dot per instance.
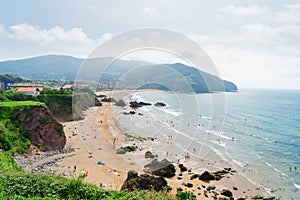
(33, 186)
(11, 141)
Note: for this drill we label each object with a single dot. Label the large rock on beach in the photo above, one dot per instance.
(135, 104)
(120, 103)
(120, 151)
(108, 99)
(207, 176)
(194, 176)
(159, 104)
(162, 168)
(226, 193)
(210, 176)
(149, 154)
(182, 168)
(143, 182)
(125, 149)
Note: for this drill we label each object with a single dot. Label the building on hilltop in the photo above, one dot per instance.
(32, 90)
(67, 87)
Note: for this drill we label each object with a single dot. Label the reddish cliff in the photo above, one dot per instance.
(41, 127)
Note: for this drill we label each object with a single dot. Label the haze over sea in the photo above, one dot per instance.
(260, 136)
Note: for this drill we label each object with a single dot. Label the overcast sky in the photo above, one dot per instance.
(254, 43)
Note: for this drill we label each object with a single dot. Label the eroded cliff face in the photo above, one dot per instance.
(41, 127)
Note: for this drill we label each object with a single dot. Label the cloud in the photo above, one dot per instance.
(281, 39)
(287, 18)
(292, 6)
(34, 34)
(150, 11)
(54, 40)
(266, 54)
(290, 14)
(104, 37)
(243, 66)
(245, 11)
(2, 31)
(92, 8)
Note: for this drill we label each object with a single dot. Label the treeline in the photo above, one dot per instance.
(11, 79)
(65, 105)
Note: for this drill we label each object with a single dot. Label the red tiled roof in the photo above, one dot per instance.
(67, 86)
(29, 89)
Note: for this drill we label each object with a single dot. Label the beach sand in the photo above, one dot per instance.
(93, 141)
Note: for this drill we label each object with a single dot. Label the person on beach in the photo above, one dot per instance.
(81, 174)
(74, 168)
(114, 142)
(187, 156)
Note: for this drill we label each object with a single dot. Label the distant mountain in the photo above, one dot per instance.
(175, 77)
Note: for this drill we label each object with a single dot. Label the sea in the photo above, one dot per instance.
(256, 130)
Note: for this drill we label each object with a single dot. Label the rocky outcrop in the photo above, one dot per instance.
(143, 182)
(125, 149)
(120, 103)
(41, 127)
(207, 176)
(132, 112)
(162, 168)
(218, 175)
(159, 104)
(149, 154)
(226, 193)
(182, 168)
(108, 99)
(135, 104)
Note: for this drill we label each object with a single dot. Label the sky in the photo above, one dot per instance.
(254, 43)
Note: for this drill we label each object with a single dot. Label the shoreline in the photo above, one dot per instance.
(100, 133)
(246, 187)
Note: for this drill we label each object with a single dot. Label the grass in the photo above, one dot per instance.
(11, 140)
(7, 164)
(21, 103)
(32, 186)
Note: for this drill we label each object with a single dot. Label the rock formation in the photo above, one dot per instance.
(149, 154)
(120, 103)
(143, 182)
(218, 175)
(159, 104)
(162, 168)
(135, 104)
(182, 168)
(125, 149)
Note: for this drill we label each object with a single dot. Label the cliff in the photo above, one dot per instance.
(34, 122)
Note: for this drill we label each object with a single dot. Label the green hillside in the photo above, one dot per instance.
(132, 74)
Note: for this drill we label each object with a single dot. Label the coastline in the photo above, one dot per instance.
(100, 133)
(213, 162)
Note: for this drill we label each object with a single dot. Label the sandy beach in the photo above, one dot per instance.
(96, 138)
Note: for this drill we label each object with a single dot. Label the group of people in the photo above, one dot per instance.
(82, 173)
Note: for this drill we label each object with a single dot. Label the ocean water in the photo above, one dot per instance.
(257, 131)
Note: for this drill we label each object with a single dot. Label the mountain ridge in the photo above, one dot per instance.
(50, 67)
